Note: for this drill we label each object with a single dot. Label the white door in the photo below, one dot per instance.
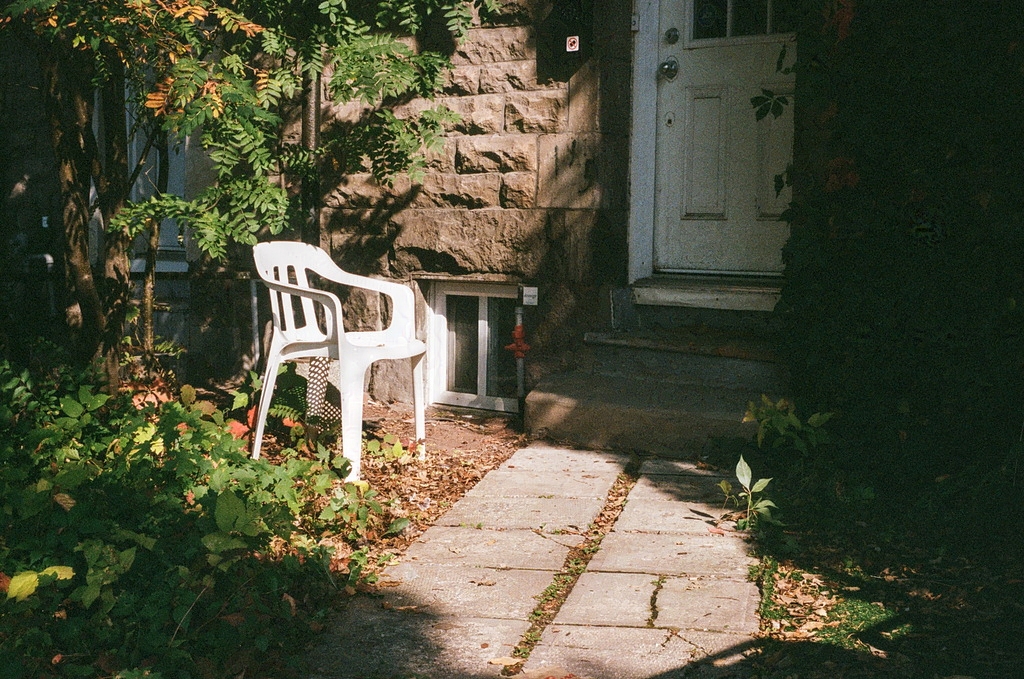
(719, 168)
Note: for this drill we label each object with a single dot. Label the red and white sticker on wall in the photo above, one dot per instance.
(572, 43)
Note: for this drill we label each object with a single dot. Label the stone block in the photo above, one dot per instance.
(489, 45)
(515, 12)
(578, 244)
(494, 153)
(569, 171)
(463, 80)
(481, 114)
(686, 488)
(658, 466)
(464, 591)
(526, 483)
(364, 191)
(442, 159)
(544, 111)
(550, 515)
(669, 516)
(667, 554)
(597, 652)
(619, 599)
(377, 642)
(454, 190)
(482, 241)
(708, 603)
(540, 456)
(483, 548)
(585, 99)
(518, 190)
(511, 76)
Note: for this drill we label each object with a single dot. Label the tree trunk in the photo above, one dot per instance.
(111, 179)
(67, 77)
(149, 287)
(95, 310)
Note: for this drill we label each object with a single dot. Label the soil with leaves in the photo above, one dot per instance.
(462, 446)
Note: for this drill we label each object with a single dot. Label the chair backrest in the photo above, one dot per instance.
(294, 317)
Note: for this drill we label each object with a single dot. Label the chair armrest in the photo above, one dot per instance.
(328, 300)
(403, 301)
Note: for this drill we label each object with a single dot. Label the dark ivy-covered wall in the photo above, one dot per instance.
(903, 303)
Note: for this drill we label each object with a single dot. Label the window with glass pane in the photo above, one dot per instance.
(501, 364)
(472, 324)
(463, 343)
(739, 18)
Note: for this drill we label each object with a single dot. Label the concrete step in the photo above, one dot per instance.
(685, 357)
(665, 393)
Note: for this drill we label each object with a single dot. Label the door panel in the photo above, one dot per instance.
(716, 199)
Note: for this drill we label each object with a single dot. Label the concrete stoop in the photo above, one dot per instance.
(657, 391)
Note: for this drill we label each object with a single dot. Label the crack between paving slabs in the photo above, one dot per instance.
(658, 584)
(575, 564)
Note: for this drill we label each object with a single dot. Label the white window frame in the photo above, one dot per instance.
(689, 42)
(437, 345)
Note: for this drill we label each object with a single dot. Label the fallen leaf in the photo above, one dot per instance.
(716, 530)
(65, 501)
(504, 661)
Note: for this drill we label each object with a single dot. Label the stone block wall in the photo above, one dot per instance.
(530, 186)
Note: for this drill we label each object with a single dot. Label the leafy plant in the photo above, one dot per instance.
(779, 427)
(754, 507)
(139, 536)
(390, 448)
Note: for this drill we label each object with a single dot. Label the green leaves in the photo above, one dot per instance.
(232, 515)
(756, 509)
(778, 426)
(25, 584)
(768, 102)
(136, 534)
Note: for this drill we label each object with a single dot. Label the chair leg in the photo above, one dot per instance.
(419, 397)
(351, 387)
(267, 393)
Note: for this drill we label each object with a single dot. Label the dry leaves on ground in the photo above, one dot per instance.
(462, 446)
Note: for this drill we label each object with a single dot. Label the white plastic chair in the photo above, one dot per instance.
(284, 267)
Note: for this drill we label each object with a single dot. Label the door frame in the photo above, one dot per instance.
(704, 290)
(643, 138)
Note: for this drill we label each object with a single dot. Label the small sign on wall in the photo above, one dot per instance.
(564, 39)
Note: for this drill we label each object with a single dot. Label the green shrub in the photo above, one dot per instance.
(145, 539)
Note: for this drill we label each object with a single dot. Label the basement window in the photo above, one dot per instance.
(470, 325)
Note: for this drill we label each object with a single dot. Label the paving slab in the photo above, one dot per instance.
(673, 554)
(543, 483)
(669, 516)
(613, 652)
(708, 603)
(541, 456)
(620, 599)
(678, 487)
(547, 514)
(720, 649)
(464, 591)
(676, 467)
(491, 548)
(366, 641)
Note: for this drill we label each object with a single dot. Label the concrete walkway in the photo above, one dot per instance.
(663, 597)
